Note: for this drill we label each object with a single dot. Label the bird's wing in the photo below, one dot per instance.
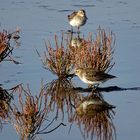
(106, 76)
(90, 74)
(95, 75)
(71, 15)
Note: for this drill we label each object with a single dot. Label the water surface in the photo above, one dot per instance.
(40, 20)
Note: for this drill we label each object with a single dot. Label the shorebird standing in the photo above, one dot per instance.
(92, 77)
(77, 18)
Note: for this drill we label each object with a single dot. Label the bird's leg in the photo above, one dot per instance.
(71, 29)
(78, 30)
(78, 35)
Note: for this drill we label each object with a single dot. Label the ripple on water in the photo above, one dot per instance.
(64, 11)
(84, 5)
(46, 7)
(122, 2)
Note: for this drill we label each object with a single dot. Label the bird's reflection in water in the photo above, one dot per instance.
(94, 116)
(60, 96)
(75, 41)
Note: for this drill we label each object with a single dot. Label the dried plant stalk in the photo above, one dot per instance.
(58, 59)
(96, 54)
(5, 100)
(5, 47)
(29, 114)
(80, 52)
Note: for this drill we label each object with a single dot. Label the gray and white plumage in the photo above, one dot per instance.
(92, 77)
(77, 18)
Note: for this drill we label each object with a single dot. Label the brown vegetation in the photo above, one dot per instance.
(5, 99)
(30, 114)
(95, 120)
(80, 52)
(57, 59)
(97, 53)
(61, 96)
(5, 47)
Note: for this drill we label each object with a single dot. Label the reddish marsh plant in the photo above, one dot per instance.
(97, 53)
(80, 52)
(5, 47)
(57, 59)
(5, 100)
(30, 114)
(61, 96)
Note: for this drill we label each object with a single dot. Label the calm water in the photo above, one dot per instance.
(40, 20)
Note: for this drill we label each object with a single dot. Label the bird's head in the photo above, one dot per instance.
(78, 71)
(81, 12)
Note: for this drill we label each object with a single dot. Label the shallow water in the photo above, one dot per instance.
(40, 20)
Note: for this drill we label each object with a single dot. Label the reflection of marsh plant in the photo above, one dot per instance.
(94, 118)
(29, 115)
(60, 92)
(57, 59)
(97, 53)
(28, 118)
(5, 99)
(5, 47)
